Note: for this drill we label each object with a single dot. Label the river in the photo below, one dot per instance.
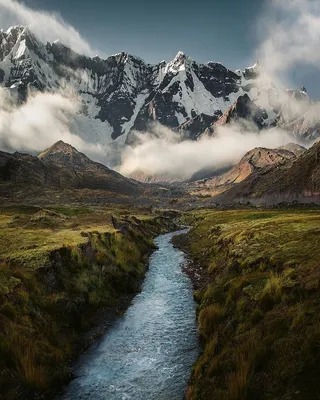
(148, 353)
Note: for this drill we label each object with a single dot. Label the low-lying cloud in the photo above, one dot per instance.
(46, 26)
(290, 31)
(162, 152)
(40, 122)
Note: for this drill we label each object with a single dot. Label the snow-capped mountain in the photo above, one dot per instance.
(123, 93)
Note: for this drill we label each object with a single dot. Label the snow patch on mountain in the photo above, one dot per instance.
(123, 93)
(140, 101)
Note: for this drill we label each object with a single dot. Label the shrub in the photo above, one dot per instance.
(213, 266)
(312, 343)
(242, 305)
(256, 316)
(299, 319)
(215, 294)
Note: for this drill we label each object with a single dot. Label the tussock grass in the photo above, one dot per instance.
(237, 381)
(208, 319)
(262, 269)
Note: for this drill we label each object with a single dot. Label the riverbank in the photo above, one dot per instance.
(257, 281)
(149, 352)
(59, 267)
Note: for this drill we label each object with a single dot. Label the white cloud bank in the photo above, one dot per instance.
(161, 152)
(290, 32)
(40, 122)
(46, 26)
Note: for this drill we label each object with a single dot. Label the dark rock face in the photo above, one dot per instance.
(198, 124)
(243, 111)
(24, 169)
(217, 79)
(251, 73)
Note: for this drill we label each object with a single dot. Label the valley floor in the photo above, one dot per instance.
(256, 275)
(257, 281)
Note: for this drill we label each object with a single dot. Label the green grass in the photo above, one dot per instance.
(29, 235)
(58, 266)
(71, 211)
(259, 307)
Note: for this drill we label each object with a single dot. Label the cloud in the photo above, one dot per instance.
(45, 117)
(161, 151)
(290, 31)
(46, 26)
(291, 35)
(41, 121)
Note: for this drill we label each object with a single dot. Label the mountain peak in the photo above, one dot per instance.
(178, 63)
(16, 29)
(253, 72)
(64, 154)
(59, 147)
(124, 57)
(180, 58)
(179, 55)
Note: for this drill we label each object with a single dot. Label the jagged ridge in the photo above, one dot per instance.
(123, 93)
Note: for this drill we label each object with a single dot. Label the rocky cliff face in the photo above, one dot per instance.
(294, 179)
(255, 161)
(243, 112)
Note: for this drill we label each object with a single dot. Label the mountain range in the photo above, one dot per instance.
(122, 93)
(63, 174)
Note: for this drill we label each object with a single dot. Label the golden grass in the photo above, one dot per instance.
(26, 241)
(263, 271)
(237, 381)
(208, 319)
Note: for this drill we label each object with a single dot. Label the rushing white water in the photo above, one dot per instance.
(148, 354)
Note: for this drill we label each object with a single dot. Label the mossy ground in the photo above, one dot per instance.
(57, 267)
(259, 308)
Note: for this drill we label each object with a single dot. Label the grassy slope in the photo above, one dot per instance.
(56, 268)
(259, 307)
